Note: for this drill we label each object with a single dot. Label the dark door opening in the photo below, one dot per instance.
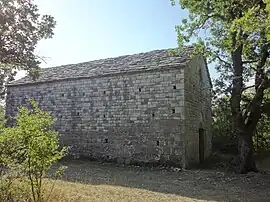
(201, 145)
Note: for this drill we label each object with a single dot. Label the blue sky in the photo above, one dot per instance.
(95, 29)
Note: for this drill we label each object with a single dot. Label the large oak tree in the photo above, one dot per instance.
(21, 28)
(235, 36)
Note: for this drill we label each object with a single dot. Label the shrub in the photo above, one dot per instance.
(31, 147)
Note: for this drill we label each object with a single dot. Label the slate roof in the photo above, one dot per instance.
(151, 60)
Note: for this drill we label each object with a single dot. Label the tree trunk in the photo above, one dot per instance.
(246, 152)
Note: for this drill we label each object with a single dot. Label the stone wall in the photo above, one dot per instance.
(124, 117)
(198, 113)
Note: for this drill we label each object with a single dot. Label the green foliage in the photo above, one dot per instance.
(12, 188)
(2, 116)
(21, 28)
(31, 147)
(262, 137)
(5, 188)
(223, 139)
(211, 25)
(217, 28)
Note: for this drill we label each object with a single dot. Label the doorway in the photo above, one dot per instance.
(201, 145)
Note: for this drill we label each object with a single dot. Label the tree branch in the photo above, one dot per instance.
(221, 60)
(249, 61)
(261, 83)
(248, 87)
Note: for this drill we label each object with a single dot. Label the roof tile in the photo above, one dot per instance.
(141, 61)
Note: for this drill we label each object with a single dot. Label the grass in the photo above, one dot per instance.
(77, 192)
(94, 181)
(67, 191)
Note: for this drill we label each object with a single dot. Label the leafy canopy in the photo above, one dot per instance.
(21, 28)
(218, 27)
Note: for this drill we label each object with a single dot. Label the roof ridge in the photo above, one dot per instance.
(112, 57)
(126, 63)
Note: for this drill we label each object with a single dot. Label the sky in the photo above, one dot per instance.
(95, 29)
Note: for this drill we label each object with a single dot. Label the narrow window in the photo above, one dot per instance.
(83, 93)
(78, 113)
(63, 94)
(153, 114)
(157, 142)
(174, 87)
(200, 74)
(104, 116)
(173, 111)
(140, 90)
(106, 140)
(104, 92)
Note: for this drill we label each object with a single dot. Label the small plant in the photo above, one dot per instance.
(5, 188)
(31, 147)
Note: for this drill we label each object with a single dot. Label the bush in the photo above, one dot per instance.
(31, 147)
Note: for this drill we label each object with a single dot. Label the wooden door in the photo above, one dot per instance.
(201, 145)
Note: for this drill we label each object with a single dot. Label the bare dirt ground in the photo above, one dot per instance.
(197, 185)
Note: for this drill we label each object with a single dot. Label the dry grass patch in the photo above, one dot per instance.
(124, 183)
(68, 191)
(64, 191)
(93, 181)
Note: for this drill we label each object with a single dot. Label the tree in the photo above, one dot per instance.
(226, 141)
(31, 147)
(21, 28)
(262, 134)
(223, 140)
(235, 36)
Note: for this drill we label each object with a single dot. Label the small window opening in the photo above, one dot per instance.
(63, 94)
(200, 73)
(106, 140)
(140, 90)
(78, 113)
(61, 116)
(173, 111)
(104, 92)
(174, 87)
(153, 114)
(104, 116)
(157, 142)
(83, 93)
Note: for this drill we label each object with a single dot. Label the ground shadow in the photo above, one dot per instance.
(198, 184)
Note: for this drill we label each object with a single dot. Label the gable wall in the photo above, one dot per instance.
(197, 109)
(108, 117)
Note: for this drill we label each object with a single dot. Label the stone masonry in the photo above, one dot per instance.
(146, 107)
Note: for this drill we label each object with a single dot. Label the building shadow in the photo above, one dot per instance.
(206, 185)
